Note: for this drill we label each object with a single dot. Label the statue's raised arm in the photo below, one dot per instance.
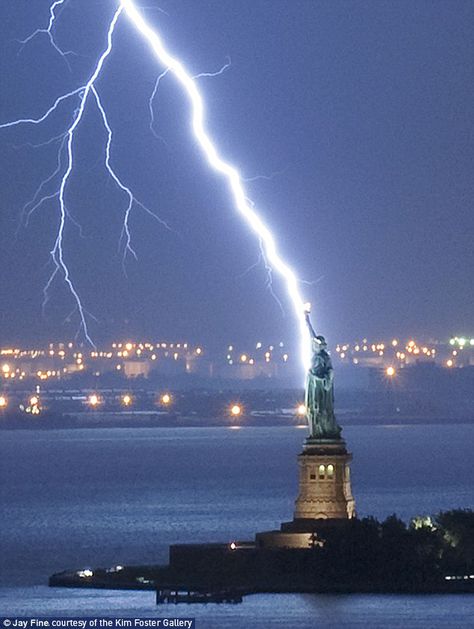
(310, 327)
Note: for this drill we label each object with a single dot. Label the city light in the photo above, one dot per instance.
(301, 410)
(235, 410)
(94, 400)
(63, 360)
(33, 408)
(233, 545)
(461, 341)
(3, 401)
(126, 400)
(166, 399)
(390, 371)
(449, 363)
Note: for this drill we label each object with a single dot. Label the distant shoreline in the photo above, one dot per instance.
(130, 420)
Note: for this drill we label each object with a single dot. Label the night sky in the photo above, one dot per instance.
(363, 113)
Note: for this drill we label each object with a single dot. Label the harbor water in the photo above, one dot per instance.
(101, 497)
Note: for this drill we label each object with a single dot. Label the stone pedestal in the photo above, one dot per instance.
(325, 484)
(324, 500)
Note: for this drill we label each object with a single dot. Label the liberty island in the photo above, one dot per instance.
(325, 548)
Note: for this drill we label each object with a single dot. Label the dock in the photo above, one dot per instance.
(180, 595)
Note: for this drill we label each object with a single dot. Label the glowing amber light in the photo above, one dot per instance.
(166, 398)
(3, 401)
(126, 400)
(93, 399)
(128, 346)
(390, 371)
(243, 358)
(235, 410)
(301, 410)
(449, 363)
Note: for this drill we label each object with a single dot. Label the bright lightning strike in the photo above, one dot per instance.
(270, 254)
(262, 257)
(161, 76)
(232, 175)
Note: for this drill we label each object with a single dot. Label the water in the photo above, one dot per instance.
(78, 498)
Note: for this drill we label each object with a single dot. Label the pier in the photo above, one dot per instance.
(179, 595)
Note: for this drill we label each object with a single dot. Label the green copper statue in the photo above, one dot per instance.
(319, 394)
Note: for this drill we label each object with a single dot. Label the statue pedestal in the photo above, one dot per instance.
(325, 484)
(324, 500)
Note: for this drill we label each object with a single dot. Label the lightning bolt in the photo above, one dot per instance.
(49, 32)
(161, 76)
(230, 172)
(57, 251)
(125, 235)
(172, 66)
(66, 153)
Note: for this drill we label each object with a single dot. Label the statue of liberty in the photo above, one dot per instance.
(319, 393)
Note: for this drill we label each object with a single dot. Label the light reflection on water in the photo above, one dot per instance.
(107, 496)
(305, 611)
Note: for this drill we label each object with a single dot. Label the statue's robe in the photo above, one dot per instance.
(320, 398)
